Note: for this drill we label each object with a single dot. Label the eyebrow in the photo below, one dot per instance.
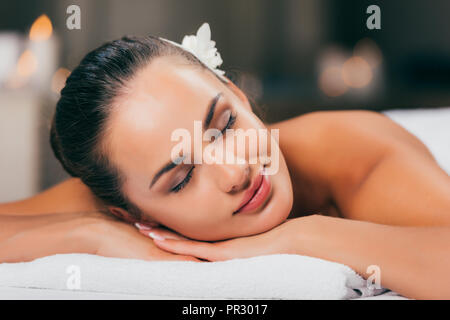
(172, 164)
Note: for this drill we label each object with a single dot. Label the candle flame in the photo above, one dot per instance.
(41, 29)
(26, 66)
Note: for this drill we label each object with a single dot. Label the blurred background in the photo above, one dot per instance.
(290, 56)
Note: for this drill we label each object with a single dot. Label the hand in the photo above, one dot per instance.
(122, 240)
(280, 239)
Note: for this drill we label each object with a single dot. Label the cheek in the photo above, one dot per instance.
(287, 191)
(284, 176)
(283, 184)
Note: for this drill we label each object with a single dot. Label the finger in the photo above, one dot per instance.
(185, 258)
(145, 230)
(199, 249)
(145, 226)
(169, 234)
(170, 257)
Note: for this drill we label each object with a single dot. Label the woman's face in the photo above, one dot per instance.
(196, 200)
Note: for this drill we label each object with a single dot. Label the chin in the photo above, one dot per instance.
(275, 213)
(279, 213)
(282, 198)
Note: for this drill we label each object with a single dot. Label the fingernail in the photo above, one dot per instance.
(155, 236)
(141, 226)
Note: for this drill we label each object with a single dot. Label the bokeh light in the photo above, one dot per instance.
(330, 82)
(356, 72)
(369, 51)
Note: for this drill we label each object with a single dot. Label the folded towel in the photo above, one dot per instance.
(278, 276)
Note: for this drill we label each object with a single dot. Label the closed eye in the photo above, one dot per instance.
(230, 123)
(183, 183)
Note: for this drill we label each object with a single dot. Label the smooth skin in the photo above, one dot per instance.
(365, 192)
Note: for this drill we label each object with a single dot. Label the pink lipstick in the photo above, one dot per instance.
(256, 195)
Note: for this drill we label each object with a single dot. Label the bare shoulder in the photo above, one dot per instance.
(366, 166)
(70, 195)
(344, 125)
(341, 147)
(355, 131)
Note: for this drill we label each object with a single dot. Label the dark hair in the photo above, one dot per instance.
(84, 106)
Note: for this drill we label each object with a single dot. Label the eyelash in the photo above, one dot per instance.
(230, 123)
(185, 181)
(188, 177)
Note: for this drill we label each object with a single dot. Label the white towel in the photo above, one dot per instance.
(279, 276)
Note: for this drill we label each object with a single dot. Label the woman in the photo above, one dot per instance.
(351, 186)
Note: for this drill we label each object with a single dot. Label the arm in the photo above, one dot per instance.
(414, 261)
(68, 219)
(405, 188)
(68, 196)
(25, 238)
(48, 223)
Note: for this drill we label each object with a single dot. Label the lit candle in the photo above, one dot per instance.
(11, 46)
(43, 45)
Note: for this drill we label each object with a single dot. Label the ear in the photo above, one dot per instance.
(121, 214)
(125, 216)
(238, 92)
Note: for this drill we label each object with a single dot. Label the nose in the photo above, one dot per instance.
(231, 177)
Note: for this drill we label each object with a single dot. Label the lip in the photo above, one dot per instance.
(256, 195)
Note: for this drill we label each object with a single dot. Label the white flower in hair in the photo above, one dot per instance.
(203, 48)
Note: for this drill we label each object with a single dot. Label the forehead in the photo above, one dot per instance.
(165, 95)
